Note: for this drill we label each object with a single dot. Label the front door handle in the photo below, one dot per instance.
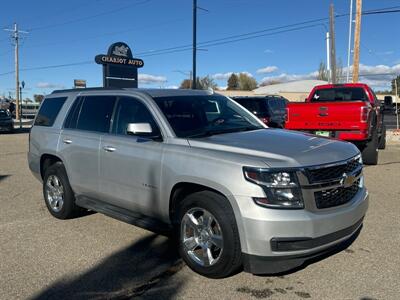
(109, 148)
(67, 141)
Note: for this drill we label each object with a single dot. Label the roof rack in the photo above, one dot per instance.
(85, 89)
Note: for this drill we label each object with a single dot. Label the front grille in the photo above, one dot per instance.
(332, 173)
(336, 196)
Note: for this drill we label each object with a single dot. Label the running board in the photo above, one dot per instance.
(125, 215)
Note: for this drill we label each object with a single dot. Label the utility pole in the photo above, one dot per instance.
(333, 49)
(349, 44)
(194, 43)
(328, 63)
(357, 29)
(16, 37)
(397, 100)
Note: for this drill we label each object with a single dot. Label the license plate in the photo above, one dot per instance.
(323, 133)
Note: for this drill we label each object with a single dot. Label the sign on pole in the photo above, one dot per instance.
(120, 68)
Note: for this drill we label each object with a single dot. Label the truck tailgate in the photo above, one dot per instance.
(325, 116)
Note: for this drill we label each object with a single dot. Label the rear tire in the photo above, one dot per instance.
(382, 139)
(57, 192)
(198, 242)
(370, 151)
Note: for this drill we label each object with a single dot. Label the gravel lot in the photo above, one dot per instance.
(98, 257)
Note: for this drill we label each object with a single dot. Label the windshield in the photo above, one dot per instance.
(340, 94)
(257, 106)
(199, 116)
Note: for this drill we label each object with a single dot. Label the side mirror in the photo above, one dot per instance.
(139, 129)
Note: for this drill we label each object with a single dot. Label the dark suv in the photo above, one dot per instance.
(6, 121)
(271, 110)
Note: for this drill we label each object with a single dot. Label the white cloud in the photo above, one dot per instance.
(225, 76)
(221, 76)
(247, 73)
(174, 87)
(268, 69)
(268, 51)
(284, 77)
(48, 85)
(148, 79)
(378, 76)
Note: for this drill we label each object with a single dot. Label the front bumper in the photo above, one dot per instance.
(275, 234)
(274, 265)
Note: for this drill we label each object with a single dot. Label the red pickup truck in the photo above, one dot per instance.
(349, 112)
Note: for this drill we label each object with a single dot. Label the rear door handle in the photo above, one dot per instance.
(67, 141)
(109, 148)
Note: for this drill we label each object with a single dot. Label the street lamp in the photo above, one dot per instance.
(20, 103)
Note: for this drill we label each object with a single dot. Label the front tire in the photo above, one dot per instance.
(57, 192)
(382, 138)
(370, 151)
(208, 236)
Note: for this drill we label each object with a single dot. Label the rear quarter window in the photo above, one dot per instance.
(49, 110)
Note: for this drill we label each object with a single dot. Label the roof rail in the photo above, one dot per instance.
(85, 89)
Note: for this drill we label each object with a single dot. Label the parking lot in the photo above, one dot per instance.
(98, 257)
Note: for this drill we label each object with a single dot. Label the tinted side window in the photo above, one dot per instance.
(95, 113)
(73, 114)
(49, 110)
(130, 110)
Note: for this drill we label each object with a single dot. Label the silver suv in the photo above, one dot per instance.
(234, 193)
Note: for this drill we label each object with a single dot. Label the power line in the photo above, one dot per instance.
(89, 17)
(106, 34)
(381, 12)
(214, 42)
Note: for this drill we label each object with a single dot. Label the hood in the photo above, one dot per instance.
(280, 148)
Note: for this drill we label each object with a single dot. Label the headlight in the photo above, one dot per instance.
(359, 158)
(281, 188)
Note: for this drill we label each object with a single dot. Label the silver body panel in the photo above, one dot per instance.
(138, 174)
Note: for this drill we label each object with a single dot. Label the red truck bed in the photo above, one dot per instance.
(335, 119)
(349, 112)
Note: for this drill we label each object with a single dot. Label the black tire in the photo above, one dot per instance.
(68, 209)
(230, 259)
(370, 151)
(382, 138)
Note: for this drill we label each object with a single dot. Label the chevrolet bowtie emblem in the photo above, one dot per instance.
(347, 180)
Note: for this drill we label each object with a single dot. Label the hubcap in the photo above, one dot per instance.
(201, 237)
(54, 193)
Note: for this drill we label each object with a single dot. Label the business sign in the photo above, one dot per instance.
(119, 66)
(79, 83)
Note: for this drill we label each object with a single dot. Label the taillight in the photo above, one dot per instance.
(365, 113)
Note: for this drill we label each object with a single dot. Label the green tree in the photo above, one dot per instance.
(323, 73)
(246, 82)
(206, 83)
(340, 78)
(38, 98)
(202, 83)
(186, 84)
(233, 82)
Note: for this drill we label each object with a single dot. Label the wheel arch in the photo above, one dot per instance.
(47, 160)
(182, 189)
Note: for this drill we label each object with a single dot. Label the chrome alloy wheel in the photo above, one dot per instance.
(54, 193)
(201, 237)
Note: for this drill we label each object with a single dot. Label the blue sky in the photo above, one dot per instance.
(63, 32)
